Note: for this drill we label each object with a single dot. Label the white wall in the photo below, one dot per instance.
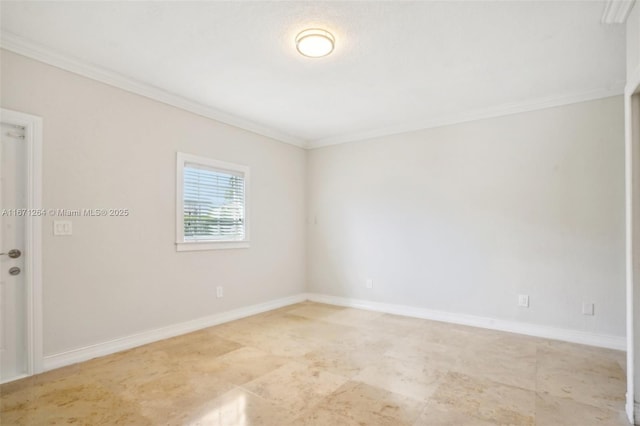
(633, 204)
(459, 218)
(466, 217)
(107, 148)
(633, 42)
(633, 236)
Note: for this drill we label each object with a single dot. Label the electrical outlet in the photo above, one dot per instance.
(62, 227)
(369, 283)
(219, 292)
(523, 300)
(588, 309)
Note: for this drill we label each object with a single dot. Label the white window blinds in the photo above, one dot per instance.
(213, 203)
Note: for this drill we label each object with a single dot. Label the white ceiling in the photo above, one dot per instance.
(397, 66)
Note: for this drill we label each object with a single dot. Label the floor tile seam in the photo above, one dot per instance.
(325, 321)
(282, 405)
(357, 382)
(411, 397)
(436, 385)
(471, 415)
(613, 412)
(493, 381)
(599, 407)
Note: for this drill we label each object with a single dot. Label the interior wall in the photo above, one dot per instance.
(633, 206)
(464, 218)
(116, 276)
(461, 218)
(633, 42)
(633, 200)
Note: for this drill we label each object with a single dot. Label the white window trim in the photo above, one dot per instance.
(181, 244)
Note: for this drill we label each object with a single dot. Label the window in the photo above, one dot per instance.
(212, 204)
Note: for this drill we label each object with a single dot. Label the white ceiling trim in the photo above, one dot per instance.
(616, 11)
(17, 44)
(480, 114)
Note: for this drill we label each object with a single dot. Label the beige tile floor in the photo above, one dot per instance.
(313, 364)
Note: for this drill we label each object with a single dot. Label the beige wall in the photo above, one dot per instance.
(464, 218)
(633, 201)
(633, 42)
(107, 148)
(461, 218)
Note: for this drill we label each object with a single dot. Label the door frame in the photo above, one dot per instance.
(632, 192)
(33, 236)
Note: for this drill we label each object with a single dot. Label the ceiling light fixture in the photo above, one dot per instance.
(315, 43)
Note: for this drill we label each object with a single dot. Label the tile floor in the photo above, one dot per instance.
(314, 364)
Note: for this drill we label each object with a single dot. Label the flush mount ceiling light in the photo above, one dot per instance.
(315, 43)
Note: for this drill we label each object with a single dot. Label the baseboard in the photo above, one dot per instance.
(574, 336)
(636, 412)
(106, 348)
(14, 379)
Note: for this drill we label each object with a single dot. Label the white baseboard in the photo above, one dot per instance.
(574, 336)
(13, 379)
(105, 348)
(636, 412)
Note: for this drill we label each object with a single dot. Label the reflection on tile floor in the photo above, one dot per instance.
(314, 364)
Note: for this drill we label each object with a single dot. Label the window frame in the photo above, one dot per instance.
(182, 245)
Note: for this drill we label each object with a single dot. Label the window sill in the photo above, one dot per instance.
(211, 245)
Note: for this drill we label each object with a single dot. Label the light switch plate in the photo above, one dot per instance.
(588, 309)
(62, 227)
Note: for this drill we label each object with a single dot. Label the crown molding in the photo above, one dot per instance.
(481, 114)
(21, 46)
(616, 11)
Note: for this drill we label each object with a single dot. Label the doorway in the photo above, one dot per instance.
(20, 245)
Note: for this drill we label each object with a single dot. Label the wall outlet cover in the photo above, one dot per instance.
(62, 227)
(523, 300)
(588, 308)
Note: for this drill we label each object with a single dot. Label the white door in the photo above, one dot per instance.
(13, 300)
